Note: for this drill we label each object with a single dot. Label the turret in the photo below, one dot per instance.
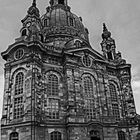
(108, 44)
(32, 24)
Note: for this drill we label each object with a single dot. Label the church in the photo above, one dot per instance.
(57, 87)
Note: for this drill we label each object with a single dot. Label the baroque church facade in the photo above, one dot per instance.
(57, 87)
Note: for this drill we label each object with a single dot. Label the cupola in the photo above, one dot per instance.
(60, 21)
(56, 2)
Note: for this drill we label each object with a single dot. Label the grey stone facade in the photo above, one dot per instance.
(57, 87)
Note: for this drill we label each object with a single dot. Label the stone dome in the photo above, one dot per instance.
(59, 20)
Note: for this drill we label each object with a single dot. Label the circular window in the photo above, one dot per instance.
(19, 53)
(87, 61)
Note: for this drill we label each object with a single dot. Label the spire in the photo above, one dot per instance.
(106, 34)
(34, 3)
(33, 10)
(104, 27)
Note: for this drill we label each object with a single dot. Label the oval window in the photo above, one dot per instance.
(19, 53)
(87, 61)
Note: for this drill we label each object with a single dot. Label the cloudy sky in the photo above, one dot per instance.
(121, 16)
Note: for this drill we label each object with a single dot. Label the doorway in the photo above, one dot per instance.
(95, 138)
(61, 2)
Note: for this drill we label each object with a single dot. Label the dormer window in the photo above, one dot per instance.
(61, 2)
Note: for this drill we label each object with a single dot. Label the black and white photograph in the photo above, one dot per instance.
(69, 70)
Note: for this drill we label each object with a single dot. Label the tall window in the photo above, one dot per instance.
(53, 108)
(55, 135)
(24, 32)
(71, 22)
(89, 97)
(110, 56)
(14, 136)
(46, 22)
(114, 100)
(121, 135)
(19, 83)
(18, 98)
(53, 102)
(53, 85)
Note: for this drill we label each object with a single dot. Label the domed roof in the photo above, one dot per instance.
(59, 20)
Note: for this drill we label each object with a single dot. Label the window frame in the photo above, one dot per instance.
(53, 100)
(121, 135)
(14, 137)
(18, 97)
(53, 85)
(114, 101)
(55, 135)
(87, 61)
(89, 97)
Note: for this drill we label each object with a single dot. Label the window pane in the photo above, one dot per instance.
(114, 100)
(53, 85)
(18, 99)
(54, 108)
(55, 135)
(89, 98)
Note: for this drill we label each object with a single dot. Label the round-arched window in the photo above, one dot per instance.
(121, 135)
(14, 136)
(55, 135)
(87, 61)
(19, 54)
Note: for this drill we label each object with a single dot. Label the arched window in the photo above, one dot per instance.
(121, 135)
(113, 93)
(53, 91)
(19, 83)
(109, 55)
(88, 87)
(94, 135)
(89, 97)
(114, 100)
(78, 44)
(71, 22)
(53, 85)
(55, 135)
(24, 32)
(14, 136)
(18, 98)
(46, 22)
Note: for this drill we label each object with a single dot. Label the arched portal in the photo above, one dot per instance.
(94, 135)
(95, 138)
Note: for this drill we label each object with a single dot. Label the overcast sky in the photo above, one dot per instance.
(121, 16)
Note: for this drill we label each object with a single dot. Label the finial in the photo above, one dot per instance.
(106, 34)
(34, 3)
